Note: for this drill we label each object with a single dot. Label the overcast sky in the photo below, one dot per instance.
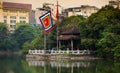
(63, 3)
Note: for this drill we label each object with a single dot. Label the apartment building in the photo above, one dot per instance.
(12, 13)
(84, 10)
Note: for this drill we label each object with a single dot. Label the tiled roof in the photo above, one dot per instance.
(17, 5)
(69, 34)
(71, 31)
(69, 37)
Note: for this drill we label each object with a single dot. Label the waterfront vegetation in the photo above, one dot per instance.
(100, 32)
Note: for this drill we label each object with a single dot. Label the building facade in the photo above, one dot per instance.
(84, 10)
(12, 13)
(115, 3)
(32, 20)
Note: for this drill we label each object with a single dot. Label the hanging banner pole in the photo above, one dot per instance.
(47, 25)
(57, 17)
(44, 43)
(57, 39)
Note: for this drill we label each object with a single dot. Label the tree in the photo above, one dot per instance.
(52, 39)
(3, 32)
(102, 27)
(3, 36)
(36, 43)
(24, 33)
(117, 51)
(70, 22)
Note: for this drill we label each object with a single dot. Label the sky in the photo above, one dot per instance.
(63, 3)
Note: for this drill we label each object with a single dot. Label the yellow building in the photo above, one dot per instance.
(12, 13)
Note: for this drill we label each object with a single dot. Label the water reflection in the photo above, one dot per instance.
(59, 66)
(16, 64)
(66, 64)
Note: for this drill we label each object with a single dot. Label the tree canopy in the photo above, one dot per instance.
(3, 36)
(24, 33)
(103, 28)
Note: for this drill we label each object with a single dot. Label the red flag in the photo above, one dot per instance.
(57, 13)
(46, 21)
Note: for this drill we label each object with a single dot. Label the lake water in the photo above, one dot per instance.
(16, 64)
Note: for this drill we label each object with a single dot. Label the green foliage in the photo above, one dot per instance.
(107, 43)
(6, 41)
(3, 36)
(110, 35)
(63, 47)
(116, 51)
(69, 22)
(24, 33)
(104, 28)
(36, 43)
(88, 44)
(51, 39)
(3, 32)
(27, 46)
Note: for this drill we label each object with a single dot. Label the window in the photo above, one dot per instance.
(12, 17)
(12, 21)
(22, 17)
(5, 21)
(5, 17)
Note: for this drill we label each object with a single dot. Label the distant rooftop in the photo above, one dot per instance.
(17, 5)
(82, 7)
(113, 2)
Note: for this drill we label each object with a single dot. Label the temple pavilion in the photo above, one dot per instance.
(70, 38)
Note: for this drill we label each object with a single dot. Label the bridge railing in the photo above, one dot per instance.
(41, 52)
(36, 52)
